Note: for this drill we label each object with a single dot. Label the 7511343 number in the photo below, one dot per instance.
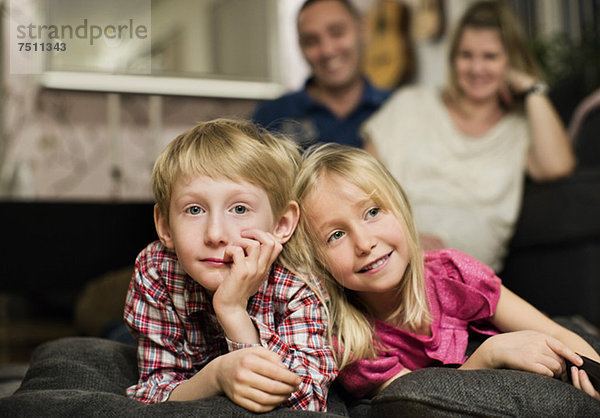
(42, 46)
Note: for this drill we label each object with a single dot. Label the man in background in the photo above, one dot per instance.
(336, 98)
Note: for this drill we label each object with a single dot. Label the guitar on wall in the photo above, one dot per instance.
(388, 59)
(427, 20)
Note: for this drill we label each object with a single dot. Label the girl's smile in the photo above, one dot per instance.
(377, 265)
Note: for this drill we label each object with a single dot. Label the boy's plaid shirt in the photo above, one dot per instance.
(178, 333)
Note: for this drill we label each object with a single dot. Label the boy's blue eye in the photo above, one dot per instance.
(373, 212)
(195, 210)
(240, 210)
(335, 236)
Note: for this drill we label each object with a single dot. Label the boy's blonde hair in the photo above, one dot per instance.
(353, 330)
(236, 150)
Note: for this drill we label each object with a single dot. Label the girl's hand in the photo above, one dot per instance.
(582, 381)
(531, 351)
(388, 382)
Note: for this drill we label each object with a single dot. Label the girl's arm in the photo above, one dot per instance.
(385, 384)
(531, 341)
(515, 314)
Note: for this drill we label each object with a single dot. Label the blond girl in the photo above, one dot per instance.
(395, 309)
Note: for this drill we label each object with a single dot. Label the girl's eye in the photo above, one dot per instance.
(194, 210)
(335, 236)
(371, 213)
(240, 210)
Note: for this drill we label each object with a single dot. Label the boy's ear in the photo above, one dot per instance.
(286, 225)
(161, 223)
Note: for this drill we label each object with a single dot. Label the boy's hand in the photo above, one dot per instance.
(256, 379)
(251, 260)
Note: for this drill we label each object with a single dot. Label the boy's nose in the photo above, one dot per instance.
(216, 231)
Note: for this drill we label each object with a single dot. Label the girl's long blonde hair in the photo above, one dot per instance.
(350, 326)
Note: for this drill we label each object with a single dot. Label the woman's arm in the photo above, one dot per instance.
(550, 155)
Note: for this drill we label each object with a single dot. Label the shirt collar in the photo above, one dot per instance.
(371, 96)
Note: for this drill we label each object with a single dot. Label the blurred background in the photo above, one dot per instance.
(79, 132)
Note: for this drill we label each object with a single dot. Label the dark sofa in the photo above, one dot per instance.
(554, 256)
(84, 376)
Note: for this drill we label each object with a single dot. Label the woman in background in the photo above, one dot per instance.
(461, 153)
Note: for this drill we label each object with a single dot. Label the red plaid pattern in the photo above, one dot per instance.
(178, 333)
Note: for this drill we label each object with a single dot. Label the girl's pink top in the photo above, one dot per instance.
(462, 294)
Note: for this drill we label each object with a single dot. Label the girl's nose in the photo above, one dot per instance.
(364, 243)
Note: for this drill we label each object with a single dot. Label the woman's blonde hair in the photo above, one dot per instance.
(352, 328)
(498, 16)
(236, 150)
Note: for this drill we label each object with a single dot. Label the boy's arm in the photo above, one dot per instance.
(167, 369)
(160, 368)
(299, 336)
(163, 361)
(253, 377)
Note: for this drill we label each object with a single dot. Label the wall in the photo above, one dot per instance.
(72, 145)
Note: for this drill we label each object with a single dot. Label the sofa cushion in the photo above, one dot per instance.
(86, 376)
(447, 392)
